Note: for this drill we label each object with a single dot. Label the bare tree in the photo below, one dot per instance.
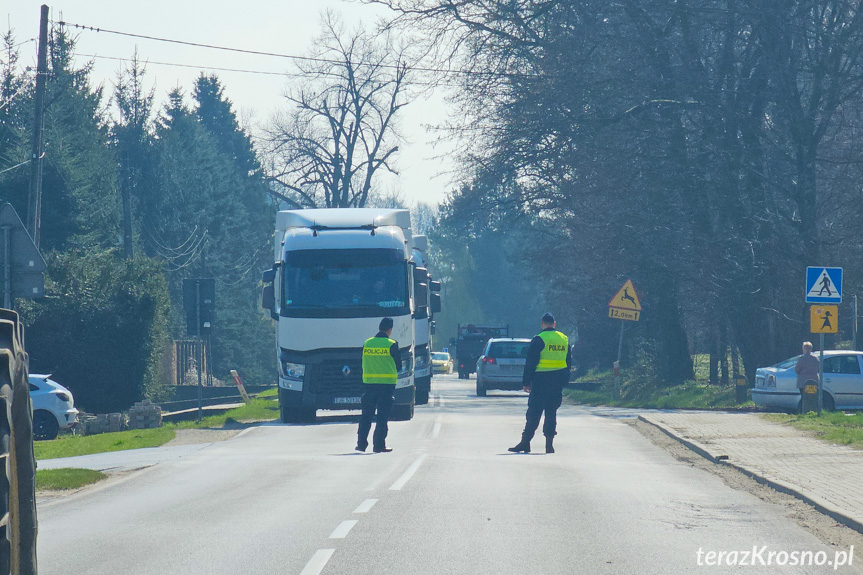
(327, 150)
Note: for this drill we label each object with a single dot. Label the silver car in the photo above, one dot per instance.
(501, 365)
(776, 386)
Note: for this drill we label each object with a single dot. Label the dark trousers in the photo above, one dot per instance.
(546, 395)
(376, 396)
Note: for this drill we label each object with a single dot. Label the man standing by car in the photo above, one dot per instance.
(546, 371)
(381, 361)
(807, 366)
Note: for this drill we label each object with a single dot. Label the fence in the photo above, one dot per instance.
(185, 358)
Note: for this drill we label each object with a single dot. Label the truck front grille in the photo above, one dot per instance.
(329, 379)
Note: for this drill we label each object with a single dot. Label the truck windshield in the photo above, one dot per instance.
(345, 279)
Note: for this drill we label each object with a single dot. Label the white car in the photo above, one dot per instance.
(776, 386)
(53, 407)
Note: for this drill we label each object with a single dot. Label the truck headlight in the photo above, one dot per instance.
(422, 361)
(407, 366)
(295, 371)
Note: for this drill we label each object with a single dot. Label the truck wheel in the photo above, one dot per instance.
(290, 414)
(45, 425)
(402, 412)
(480, 390)
(422, 397)
(309, 415)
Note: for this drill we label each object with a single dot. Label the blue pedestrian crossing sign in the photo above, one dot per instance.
(823, 285)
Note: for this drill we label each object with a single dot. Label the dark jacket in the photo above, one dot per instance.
(531, 375)
(394, 350)
(806, 369)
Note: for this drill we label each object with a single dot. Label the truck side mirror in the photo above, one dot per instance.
(268, 297)
(269, 276)
(420, 275)
(421, 294)
(432, 327)
(434, 287)
(435, 303)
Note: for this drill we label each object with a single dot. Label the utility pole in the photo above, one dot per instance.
(34, 200)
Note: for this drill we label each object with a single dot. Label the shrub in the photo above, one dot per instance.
(101, 329)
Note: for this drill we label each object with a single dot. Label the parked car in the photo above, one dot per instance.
(442, 362)
(53, 407)
(501, 365)
(776, 386)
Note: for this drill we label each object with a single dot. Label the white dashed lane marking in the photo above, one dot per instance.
(318, 561)
(343, 529)
(365, 506)
(407, 474)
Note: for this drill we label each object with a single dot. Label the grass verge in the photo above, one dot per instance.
(71, 445)
(835, 427)
(66, 478)
(255, 411)
(689, 395)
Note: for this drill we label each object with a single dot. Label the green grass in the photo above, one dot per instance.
(70, 445)
(274, 393)
(66, 478)
(255, 411)
(690, 395)
(835, 427)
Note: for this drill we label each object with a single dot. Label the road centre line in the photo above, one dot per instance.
(318, 561)
(343, 529)
(365, 506)
(407, 474)
(436, 429)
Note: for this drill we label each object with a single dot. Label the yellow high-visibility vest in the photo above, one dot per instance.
(553, 354)
(378, 365)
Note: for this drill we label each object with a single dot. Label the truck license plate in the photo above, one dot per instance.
(347, 400)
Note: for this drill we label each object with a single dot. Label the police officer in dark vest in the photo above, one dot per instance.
(546, 371)
(381, 361)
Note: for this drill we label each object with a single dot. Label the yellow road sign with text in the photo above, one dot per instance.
(627, 314)
(824, 318)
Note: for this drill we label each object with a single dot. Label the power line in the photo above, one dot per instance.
(178, 65)
(223, 69)
(281, 55)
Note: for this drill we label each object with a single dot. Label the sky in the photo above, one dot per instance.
(284, 26)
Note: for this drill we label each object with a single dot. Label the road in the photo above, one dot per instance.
(296, 499)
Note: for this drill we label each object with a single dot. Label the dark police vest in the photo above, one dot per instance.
(553, 354)
(378, 365)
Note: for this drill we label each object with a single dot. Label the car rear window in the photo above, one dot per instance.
(440, 356)
(787, 363)
(506, 349)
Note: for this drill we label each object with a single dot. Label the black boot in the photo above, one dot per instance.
(549, 448)
(523, 446)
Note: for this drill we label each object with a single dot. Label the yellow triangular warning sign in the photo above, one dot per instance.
(626, 298)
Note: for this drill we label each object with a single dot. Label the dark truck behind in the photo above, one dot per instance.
(470, 343)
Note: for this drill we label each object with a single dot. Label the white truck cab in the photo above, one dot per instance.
(336, 274)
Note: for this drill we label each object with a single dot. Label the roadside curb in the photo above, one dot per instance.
(693, 445)
(762, 478)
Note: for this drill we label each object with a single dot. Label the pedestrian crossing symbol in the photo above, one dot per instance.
(824, 318)
(823, 285)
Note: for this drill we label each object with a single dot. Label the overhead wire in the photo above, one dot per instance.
(315, 59)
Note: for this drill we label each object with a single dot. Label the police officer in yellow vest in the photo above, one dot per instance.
(381, 362)
(546, 371)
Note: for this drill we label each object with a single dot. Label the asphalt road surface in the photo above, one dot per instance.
(297, 499)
